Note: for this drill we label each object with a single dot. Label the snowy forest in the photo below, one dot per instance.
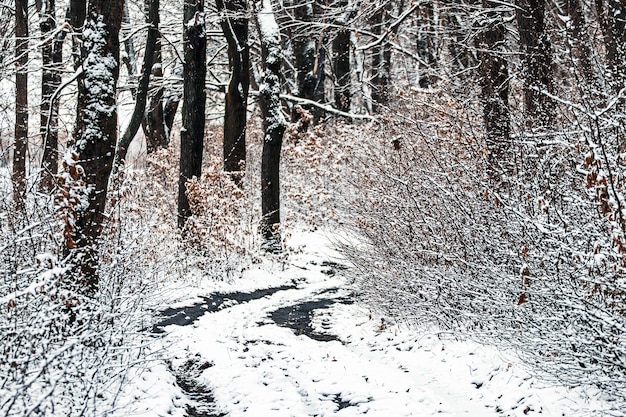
(412, 177)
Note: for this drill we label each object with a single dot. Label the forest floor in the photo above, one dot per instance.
(290, 339)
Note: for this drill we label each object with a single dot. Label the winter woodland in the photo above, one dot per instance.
(412, 187)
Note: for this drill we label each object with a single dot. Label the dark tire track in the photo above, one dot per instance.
(184, 316)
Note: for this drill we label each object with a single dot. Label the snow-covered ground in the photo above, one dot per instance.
(258, 354)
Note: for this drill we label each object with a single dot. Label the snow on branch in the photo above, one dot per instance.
(327, 108)
(391, 28)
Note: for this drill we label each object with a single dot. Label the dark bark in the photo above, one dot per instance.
(310, 55)
(426, 46)
(536, 51)
(581, 49)
(234, 24)
(161, 112)
(341, 64)
(169, 111)
(381, 59)
(97, 125)
(194, 102)
(612, 19)
(462, 58)
(52, 57)
(21, 102)
(494, 79)
(154, 126)
(144, 81)
(130, 58)
(274, 126)
(341, 57)
(76, 15)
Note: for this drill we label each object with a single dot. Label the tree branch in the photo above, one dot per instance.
(327, 108)
(142, 90)
(390, 29)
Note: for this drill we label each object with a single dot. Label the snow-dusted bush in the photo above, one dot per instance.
(224, 226)
(534, 262)
(64, 352)
(313, 162)
(223, 231)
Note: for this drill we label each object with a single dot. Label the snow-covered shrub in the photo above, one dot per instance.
(224, 225)
(313, 164)
(64, 352)
(534, 263)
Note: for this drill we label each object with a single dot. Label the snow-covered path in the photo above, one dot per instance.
(265, 355)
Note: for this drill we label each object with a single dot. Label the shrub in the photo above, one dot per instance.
(534, 262)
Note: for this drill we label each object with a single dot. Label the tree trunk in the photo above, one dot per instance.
(612, 18)
(274, 125)
(234, 24)
(426, 46)
(52, 57)
(154, 126)
(582, 51)
(130, 58)
(97, 124)
(76, 15)
(341, 62)
(77, 11)
(494, 79)
(160, 115)
(170, 107)
(310, 54)
(144, 81)
(462, 58)
(194, 102)
(381, 60)
(537, 61)
(21, 102)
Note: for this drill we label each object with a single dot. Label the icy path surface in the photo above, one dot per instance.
(301, 347)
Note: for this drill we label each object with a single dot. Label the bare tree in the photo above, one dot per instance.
(577, 35)
(76, 15)
(52, 57)
(426, 45)
(537, 60)
(274, 123)
(494, 81)
(381, 57)
(309, 51)
(341, 58)
(154, 125)
(157, 125)
(21, 102)
(77, 11)
(194, 102)
(234, 22)
(97, 125)
(130, 58)
(612, 18)
(141, 93)
(458, 33)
